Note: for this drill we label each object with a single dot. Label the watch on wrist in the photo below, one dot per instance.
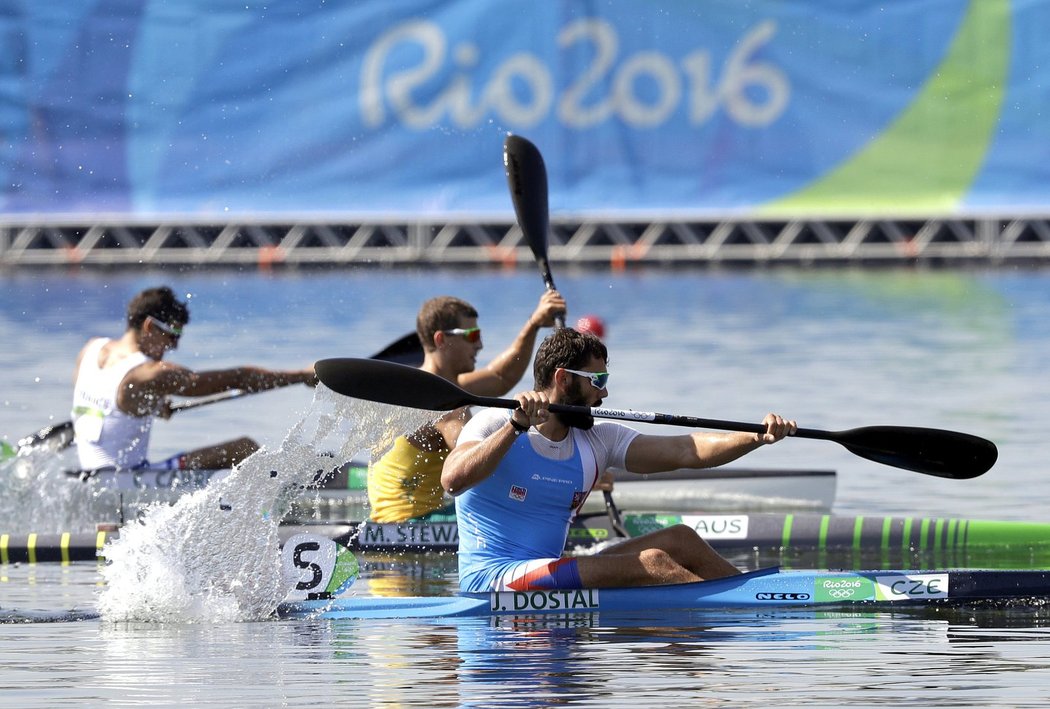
(518, 428)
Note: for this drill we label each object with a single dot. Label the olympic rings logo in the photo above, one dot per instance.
(841, 593)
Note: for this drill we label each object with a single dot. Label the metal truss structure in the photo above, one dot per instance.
(593, 242)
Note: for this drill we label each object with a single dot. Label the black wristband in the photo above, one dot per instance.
(518, 428)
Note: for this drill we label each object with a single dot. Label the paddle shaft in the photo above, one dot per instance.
(64, 430)
(930, 451)
(674, 419)
(406, 349)
(649, 417)
(615, 518)
(205, 400)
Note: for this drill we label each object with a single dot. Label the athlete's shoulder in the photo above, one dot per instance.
(482, 423)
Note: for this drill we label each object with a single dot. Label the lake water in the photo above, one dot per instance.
(834, 349)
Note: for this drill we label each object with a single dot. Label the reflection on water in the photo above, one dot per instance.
(408, 575)
(989, 657)
(822, 658)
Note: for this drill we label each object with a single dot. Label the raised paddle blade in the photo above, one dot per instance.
(945, 454)
(391, 383)
(527, 181)
(405, 350)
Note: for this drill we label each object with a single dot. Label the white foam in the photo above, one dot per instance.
(214, 555)
(37, 496)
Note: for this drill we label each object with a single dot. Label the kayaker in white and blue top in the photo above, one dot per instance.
(121, 384)
(519, 479)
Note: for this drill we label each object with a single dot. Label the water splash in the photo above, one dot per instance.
(213, 556)
(37, 495)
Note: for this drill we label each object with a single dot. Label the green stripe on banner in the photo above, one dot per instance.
(822, 541)
(887, 523)
(906, 535)
(943, 137)
(858, 532)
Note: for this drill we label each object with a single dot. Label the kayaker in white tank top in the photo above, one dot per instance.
(122, 384)
(105, 435)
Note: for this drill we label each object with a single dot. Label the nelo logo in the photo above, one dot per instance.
(782, 596)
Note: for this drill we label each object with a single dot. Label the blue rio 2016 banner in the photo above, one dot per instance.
(684, 107)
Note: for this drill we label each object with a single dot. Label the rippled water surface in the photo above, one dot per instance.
(836, 349)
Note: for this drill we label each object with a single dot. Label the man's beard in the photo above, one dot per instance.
(584, 422)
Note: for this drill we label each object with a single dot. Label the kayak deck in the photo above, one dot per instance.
(765, 588)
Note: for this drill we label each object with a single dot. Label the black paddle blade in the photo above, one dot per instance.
(527, 180)
(406, 350)
(391, 383)
(945, 454)
(56, 437)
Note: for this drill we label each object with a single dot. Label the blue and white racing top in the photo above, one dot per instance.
(523, 510)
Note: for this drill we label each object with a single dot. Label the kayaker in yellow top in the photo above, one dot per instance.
(406, 482)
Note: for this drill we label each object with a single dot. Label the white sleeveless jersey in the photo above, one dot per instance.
(105, 435)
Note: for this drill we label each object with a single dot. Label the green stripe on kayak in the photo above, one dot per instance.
(357, 477)
(994, 532)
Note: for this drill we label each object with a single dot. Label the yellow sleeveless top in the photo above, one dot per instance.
(406, 482)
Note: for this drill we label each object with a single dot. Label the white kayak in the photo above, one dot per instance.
(342, 495)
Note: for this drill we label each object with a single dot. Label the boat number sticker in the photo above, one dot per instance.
(903, 587)
(316, 567)
(843, 588)
(566, 601)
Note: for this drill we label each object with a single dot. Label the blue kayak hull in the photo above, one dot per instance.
(766, 588)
